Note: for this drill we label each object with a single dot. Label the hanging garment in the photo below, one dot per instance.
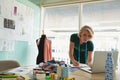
(47, 50)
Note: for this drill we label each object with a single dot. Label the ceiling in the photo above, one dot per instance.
(44, 2)
(37, 2)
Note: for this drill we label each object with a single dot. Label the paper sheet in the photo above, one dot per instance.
(21, 70)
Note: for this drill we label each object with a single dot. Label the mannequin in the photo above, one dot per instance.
(40, 44)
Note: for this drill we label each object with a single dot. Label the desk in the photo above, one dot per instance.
(82, 75)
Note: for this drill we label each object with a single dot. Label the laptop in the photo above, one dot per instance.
(99, 60)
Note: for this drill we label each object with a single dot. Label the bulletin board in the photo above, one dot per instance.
(16, 21)
(20, 20)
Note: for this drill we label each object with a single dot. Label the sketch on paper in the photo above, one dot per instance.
(15, 11)
(6, 45)
(9, 23)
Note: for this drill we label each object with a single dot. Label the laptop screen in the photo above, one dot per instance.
(99, 60)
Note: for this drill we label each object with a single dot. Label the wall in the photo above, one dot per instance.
(25, 51)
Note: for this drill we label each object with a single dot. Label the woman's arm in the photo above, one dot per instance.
(71, 50)
(90, 58)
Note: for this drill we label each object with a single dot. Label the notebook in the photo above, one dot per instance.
(99, 60)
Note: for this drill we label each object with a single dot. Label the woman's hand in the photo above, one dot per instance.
(90, 65)
(75, 63)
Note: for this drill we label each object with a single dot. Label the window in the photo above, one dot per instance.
(61, 21)
(104, 18)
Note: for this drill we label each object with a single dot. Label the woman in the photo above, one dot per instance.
(81, 46)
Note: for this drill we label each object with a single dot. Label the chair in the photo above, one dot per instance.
(8, 64)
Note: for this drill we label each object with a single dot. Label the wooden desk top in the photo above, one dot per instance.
(82, 75)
